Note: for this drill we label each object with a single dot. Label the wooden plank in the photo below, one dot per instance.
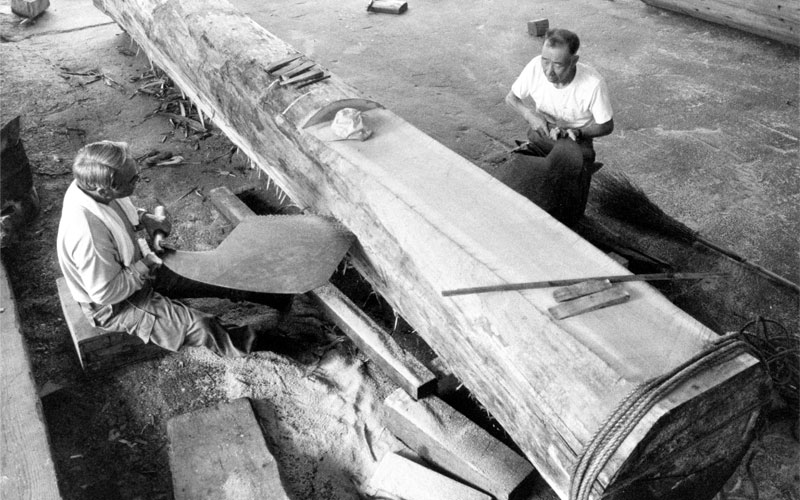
(550, 384)
(453, 443)
(775, 19)
(26, 465)
(594, 302)
(404, 369)
(398, 477)
(580, 289)
(220, 453)
(229, 205)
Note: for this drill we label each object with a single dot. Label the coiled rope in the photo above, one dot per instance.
(641, 400)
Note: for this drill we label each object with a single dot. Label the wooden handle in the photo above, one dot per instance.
(159, 236)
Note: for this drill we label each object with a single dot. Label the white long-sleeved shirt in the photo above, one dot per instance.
(89, 256)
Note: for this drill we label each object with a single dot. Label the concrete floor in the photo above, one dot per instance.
(706, 116)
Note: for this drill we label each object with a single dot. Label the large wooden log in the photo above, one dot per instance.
(428, 220)
(775, 19)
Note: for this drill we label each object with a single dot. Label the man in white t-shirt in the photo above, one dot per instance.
(563, 100)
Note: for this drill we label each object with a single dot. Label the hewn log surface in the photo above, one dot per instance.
(775, 19)
(427, 220)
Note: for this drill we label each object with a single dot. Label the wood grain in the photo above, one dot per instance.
(775, 19)
(26, 465)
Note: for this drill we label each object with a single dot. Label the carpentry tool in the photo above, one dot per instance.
(304, 77)
(283, 62)
(269, 254)
(564, 282)
(306, 66)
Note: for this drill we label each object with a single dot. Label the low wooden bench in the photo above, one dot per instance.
(100, 351)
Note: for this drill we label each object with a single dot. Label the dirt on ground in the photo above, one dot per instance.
(317, 397)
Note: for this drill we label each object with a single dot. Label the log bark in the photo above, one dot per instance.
(428, 220)
(773, 19)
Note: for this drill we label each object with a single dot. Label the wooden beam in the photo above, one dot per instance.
(405, 370)
(426, 220)
(453, 443)
(775, 19)
(220, 452)
(26, 465)
(401, 478)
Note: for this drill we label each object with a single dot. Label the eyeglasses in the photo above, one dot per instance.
(131, 182)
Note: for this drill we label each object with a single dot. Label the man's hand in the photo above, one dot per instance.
(157, 225)
(537, 123)
(150, 259)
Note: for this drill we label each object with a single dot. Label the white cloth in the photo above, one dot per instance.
(585, 101)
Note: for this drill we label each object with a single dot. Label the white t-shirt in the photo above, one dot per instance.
(584, 101)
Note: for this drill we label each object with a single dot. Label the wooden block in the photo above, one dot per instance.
(538, 27)
(220, 453)
(406, 371)
(288, 67)
(387, 6)
(27, 469)
(612, 296)
(580, 289)
(29, 8)
(398, 477)
(229, 205)
(304, 77)
(302, 68)
(456, 445)
(281, 63)
(98, 350)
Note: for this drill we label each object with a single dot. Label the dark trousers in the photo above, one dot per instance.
(174, 286)
(553, 174)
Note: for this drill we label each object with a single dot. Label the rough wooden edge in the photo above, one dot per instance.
(26, 464)
(453, 443)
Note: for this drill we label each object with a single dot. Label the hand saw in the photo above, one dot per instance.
(270, 254)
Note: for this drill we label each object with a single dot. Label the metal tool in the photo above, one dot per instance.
(505, 287)
(270, 254)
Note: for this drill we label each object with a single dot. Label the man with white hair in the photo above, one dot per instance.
(118, 287)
